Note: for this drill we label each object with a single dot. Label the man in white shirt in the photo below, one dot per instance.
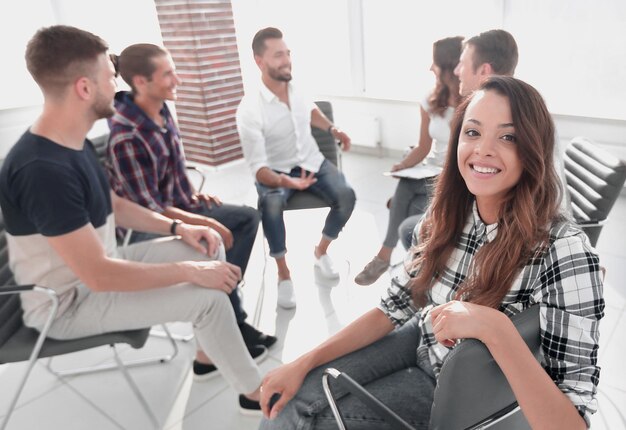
(274, 125)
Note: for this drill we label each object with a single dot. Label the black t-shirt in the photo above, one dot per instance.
(48, 189)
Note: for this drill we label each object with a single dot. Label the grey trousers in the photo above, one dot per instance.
(388, 369)
(208, 310)
(410, 198)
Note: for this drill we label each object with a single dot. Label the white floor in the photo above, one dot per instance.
(104, 401)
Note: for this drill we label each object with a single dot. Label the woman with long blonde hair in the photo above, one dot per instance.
(492, 244)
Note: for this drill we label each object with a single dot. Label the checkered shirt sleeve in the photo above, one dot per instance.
(570, 293)
(133, 170)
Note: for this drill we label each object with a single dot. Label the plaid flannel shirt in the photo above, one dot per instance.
(146, 163)
(565, 280)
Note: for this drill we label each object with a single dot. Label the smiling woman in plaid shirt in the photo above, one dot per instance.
(492, 244)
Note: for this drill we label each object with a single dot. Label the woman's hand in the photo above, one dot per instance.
(404, 164)
(398, 166)
(285, 381)
(461, 320)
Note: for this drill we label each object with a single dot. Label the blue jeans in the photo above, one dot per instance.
(387, 368)
(331, 186)
(243, 222)
(407, 228)
(410, 198)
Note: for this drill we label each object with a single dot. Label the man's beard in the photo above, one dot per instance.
(103, 108)
(278, 76)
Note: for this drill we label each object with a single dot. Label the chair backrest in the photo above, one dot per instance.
(326, 142)
(10, 305)
(328, 147)
(471, 387)
(594, 181)
(100, 144)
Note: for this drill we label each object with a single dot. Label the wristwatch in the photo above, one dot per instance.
(175, 224)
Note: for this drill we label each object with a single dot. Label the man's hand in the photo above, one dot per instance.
(218, 275)
(193, 235)
(285, 381)
(224, 232)
(302, 183)
(343, 138)
(207, 198)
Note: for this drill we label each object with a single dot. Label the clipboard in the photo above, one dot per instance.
(421, 171)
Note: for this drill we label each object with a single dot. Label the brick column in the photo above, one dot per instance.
(200, 35)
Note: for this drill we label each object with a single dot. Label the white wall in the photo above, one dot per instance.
(326, 48)
(13, 123)
(547, 58)
(21, 99)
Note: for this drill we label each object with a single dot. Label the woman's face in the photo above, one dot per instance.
(487, 152)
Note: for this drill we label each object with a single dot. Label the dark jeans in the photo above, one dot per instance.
(410, 198)
(243, 222)
(407, 228)
(331, 186)
(387, 368)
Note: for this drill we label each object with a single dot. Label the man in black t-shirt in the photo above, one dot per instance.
(60, 218)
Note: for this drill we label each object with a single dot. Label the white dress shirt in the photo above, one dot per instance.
(275, 135)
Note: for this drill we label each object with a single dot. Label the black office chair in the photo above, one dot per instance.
(328, 147)
(471, 392)
(595, 179)
(20, 343)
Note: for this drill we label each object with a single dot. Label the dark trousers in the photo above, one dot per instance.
(243, 222)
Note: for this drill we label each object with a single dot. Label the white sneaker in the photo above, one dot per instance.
(286, 294)
(326, 266)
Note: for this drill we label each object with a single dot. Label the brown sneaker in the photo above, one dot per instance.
(372, 271)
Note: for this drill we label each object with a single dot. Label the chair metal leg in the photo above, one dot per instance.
(258, 308)
(354, 388)
(35, 353)
(329, 396)
(124, 369)
(131, 363)
(162, 334)
(127, 236)
(501, 415)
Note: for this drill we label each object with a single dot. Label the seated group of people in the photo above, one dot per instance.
(490, 241)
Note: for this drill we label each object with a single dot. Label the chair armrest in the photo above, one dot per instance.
(54, 298)
(356, 389)
(202, 176)
(472, 381)
(52, 295)
(14, 289)
(592, 223)
(468, 367)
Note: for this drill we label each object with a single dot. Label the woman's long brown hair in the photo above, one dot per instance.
(446, 53)
(524, 218)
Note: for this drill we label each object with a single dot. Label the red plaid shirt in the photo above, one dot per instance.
(146, 163)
